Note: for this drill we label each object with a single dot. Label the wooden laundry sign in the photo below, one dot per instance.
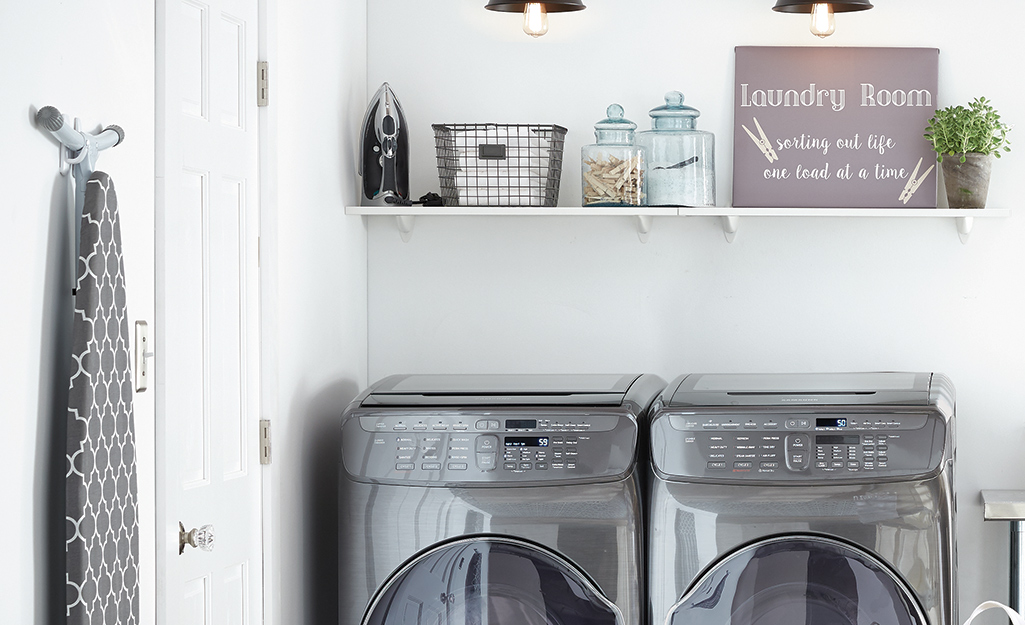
(834, 127)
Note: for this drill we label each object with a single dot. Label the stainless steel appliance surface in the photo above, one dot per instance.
(497, 499)
(802, 499)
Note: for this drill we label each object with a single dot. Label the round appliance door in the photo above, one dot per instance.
(490, 580)
(798, 580)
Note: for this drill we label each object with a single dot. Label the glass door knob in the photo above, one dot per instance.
(201, 538)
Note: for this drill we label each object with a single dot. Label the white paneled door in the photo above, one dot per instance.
(207, 330)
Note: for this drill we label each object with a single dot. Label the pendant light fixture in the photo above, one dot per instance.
(535, 14)
(822, 22)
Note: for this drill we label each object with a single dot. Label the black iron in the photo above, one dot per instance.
(384, 148)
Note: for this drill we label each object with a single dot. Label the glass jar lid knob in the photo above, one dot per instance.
(674, 114)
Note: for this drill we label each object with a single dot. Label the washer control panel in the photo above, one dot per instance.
(488, 449)
(798, 448)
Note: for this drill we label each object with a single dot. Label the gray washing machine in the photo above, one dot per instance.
(494, 500)
(823, 499)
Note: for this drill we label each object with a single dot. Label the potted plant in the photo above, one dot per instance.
(971, 136)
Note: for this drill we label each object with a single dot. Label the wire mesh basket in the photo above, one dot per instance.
(499, 164)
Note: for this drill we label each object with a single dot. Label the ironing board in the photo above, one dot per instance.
(101, 488)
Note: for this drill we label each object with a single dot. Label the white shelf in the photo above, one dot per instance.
(729, 216)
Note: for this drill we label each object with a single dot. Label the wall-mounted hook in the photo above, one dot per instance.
(87, 147)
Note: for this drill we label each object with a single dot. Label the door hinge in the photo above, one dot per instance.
(262, 94)
(264, 441)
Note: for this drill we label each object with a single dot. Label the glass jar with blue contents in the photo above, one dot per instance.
(613, 168)
(680, 158)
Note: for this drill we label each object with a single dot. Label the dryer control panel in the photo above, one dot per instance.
(798, 448)
(488, 449)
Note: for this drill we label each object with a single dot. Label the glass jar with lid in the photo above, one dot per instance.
(613, 168)
(681, 158)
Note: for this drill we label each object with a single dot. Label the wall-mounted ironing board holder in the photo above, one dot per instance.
(78, 152)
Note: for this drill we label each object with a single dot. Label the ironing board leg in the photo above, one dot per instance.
(1017, 563)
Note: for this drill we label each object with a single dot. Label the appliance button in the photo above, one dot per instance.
(798, 442)
(821, 464)
(487, 461)
(487, 442)
(837, 464)
(868, 449)
(571, 465)
(405, 466)
(419, 426)
(853, 465)
(525, 466)
(431, 466)
(558, 465)
(541, 466)
(710, 426)
(716, 465)
(509, 466)
(557, 440)
(481, 424)
(399, 427)
(457, 466)
(881, 459)
(459, 426)
(730, 426)
(792, 424)
(750, 425)
(770, 465)
(494, 425)
(571, 440)
(799, 460)
(440, 426)
(743, 465)
(893, 425)
(770, 425)
(881, 448)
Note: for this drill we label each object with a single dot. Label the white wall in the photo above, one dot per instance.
(804, 294)
(92, 60)
(316, 307)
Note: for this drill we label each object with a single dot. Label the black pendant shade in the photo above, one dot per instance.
(552, 6)
(803, 6)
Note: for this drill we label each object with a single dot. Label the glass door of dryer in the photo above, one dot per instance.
(798, 580)
(490, 580)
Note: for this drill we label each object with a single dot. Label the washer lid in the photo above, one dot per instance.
(491, 580)
(798, 580)
(807, 389)
(492, 390)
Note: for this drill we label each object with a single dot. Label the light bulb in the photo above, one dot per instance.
(822, 21)
(535, 19)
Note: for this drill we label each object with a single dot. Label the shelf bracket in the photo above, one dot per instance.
(730, 225)
(405, 225)
(644, 227)
(964, 228)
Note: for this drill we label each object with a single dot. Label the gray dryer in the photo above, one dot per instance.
(802, 500)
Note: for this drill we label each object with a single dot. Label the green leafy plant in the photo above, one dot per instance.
(975, 128)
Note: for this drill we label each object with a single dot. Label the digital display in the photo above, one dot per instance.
(526, 441)
(521, 424)
(839, 422)
(836, 439)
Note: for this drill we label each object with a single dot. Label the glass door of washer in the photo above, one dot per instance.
(798, 580)
(490, 580)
